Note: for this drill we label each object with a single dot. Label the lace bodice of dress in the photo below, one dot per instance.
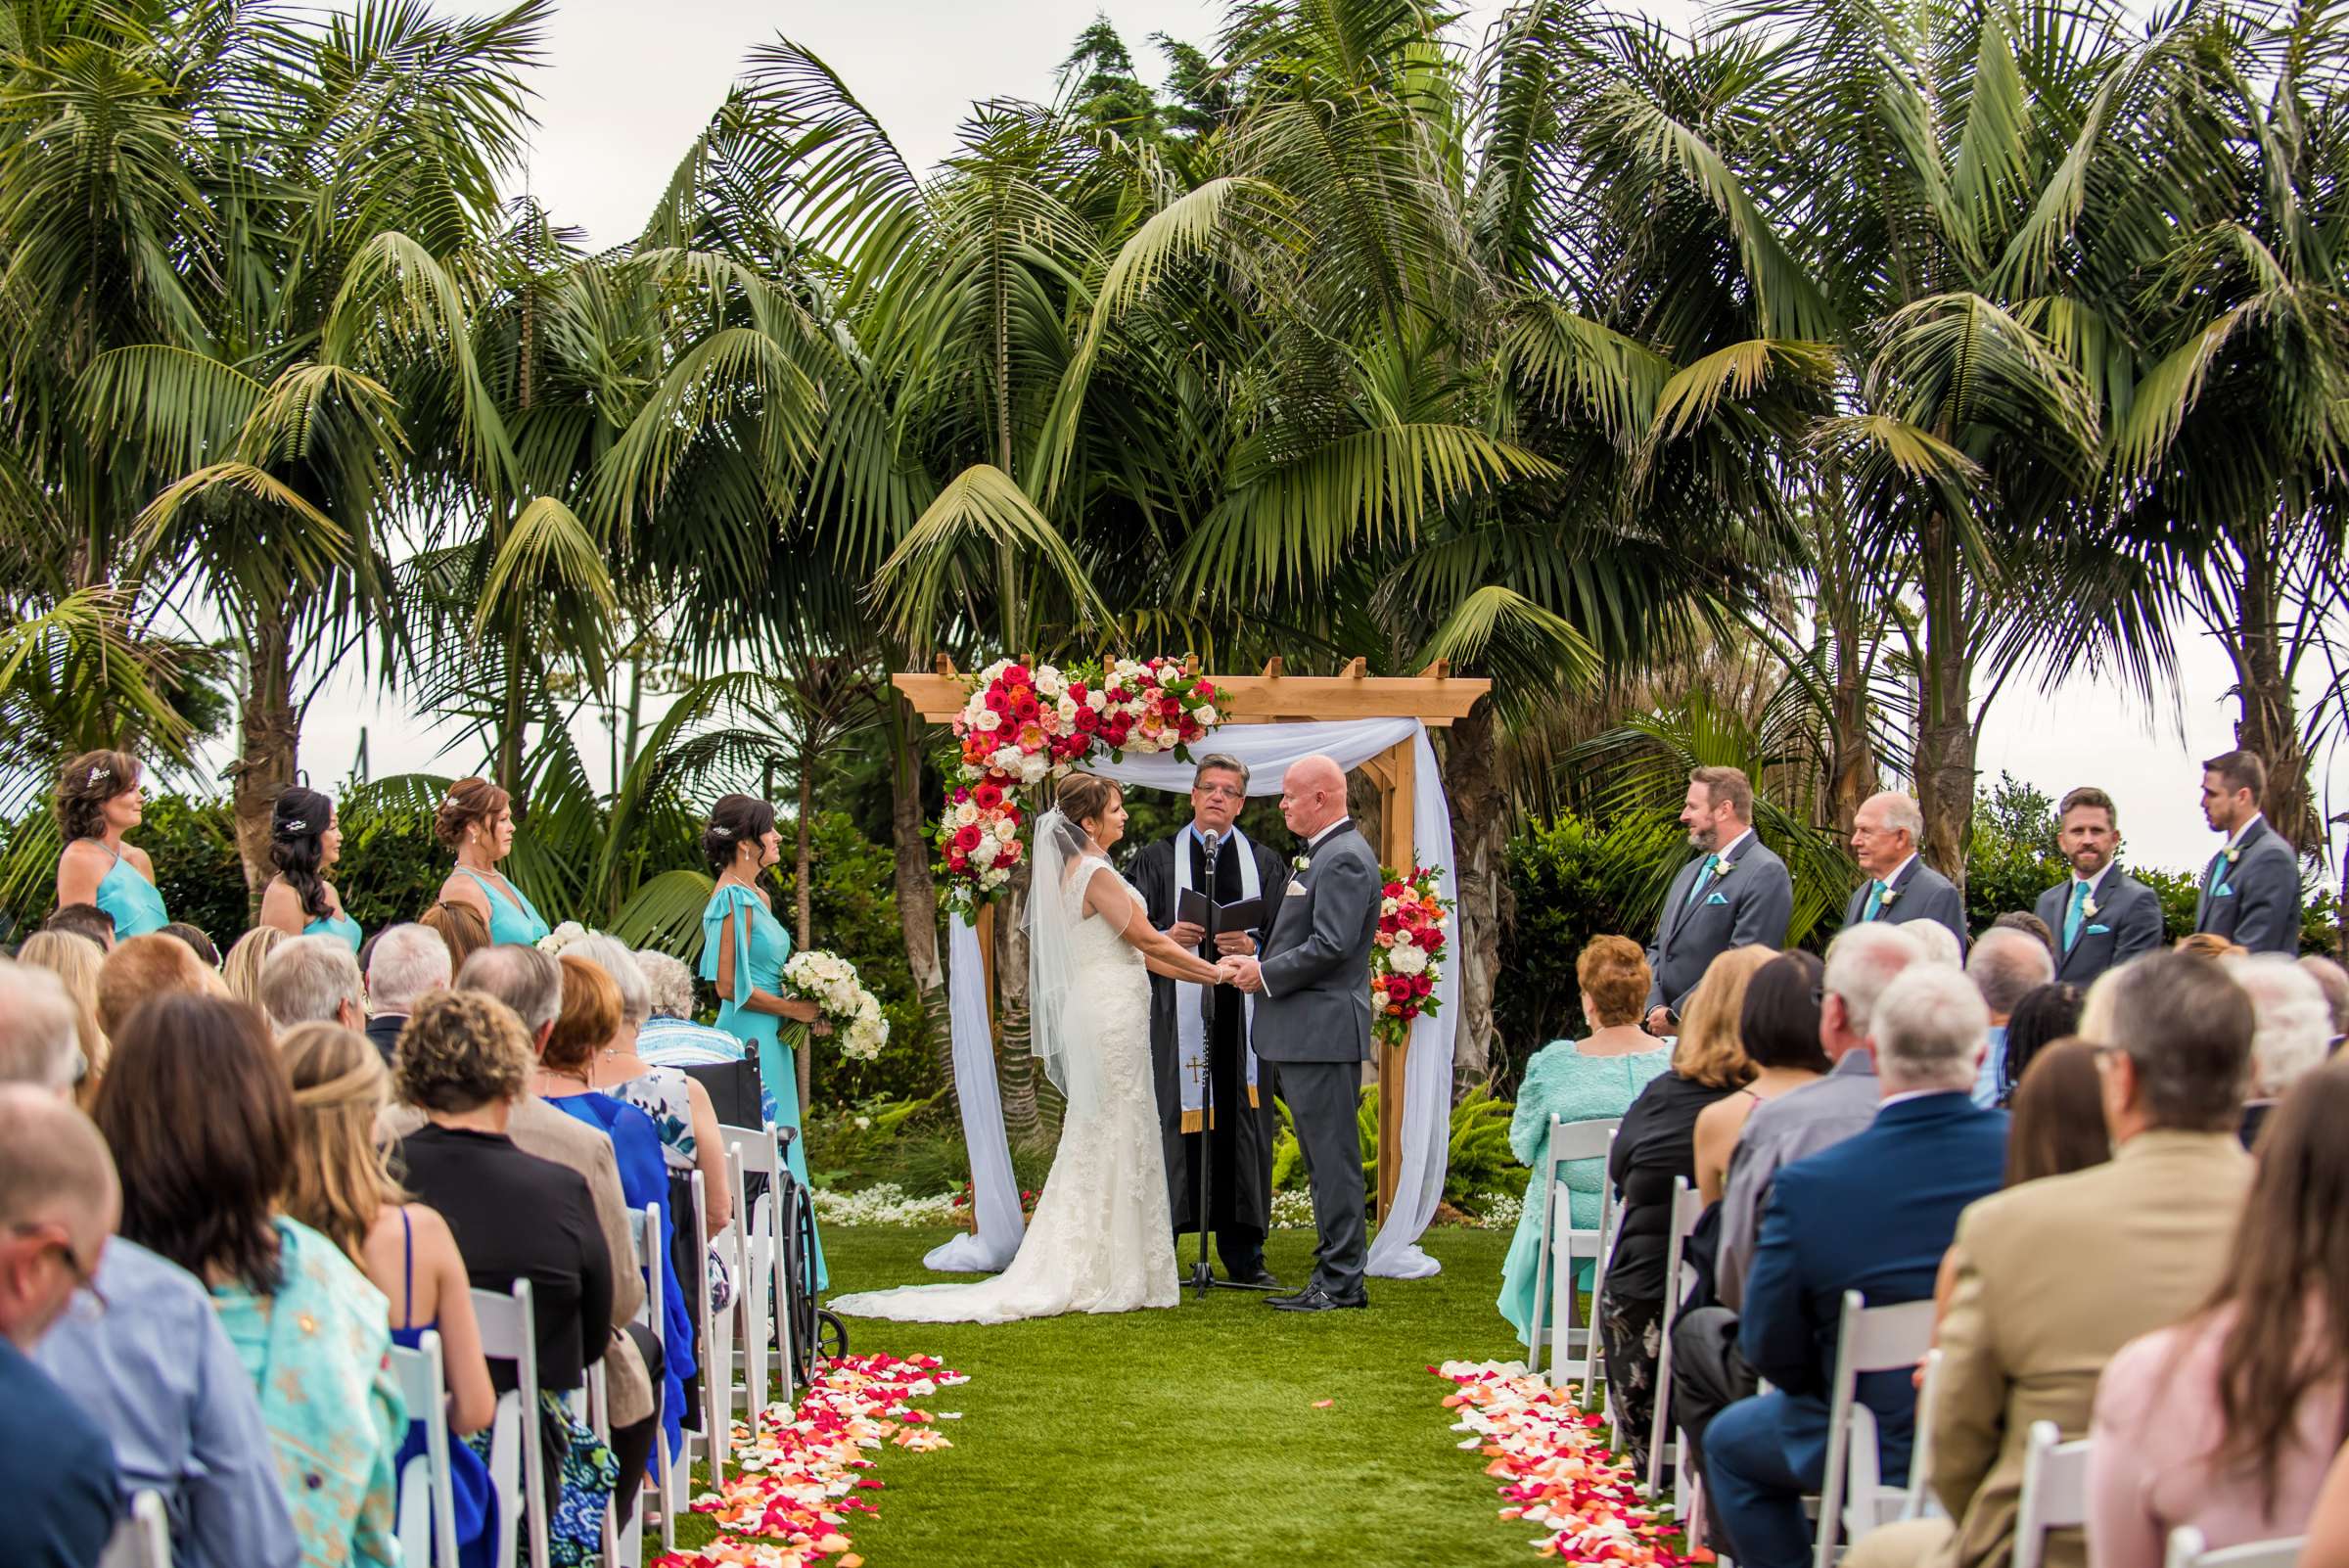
(1094, 940)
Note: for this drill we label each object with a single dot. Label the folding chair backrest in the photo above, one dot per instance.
(143, 1540)
(1688, 1206)
(2189, 1549)
(2055, 1493)
(653, 1257)
(1553, 1287)
(428, 1511)
(517, 1457)
(766, 1266)
(1920, 1501)
(1871, 1339)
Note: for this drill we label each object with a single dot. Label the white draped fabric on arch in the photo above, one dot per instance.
(1268, 750)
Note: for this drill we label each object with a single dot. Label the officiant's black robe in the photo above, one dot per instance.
(1242, 1190)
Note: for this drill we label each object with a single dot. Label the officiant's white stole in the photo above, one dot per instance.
(1190, 1027)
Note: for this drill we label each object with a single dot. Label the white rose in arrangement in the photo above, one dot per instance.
(1004, 830)
(966, 813)
(987, 721)
(1207, 715)
(1405, 960)
(1032, 768)
(1049, 682)
(1067, 708)
(1096, 699)
(1006, 759)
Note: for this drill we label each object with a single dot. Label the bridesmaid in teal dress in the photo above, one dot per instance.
(744, 948)
(99, 798)
(1590, 1080)
(476, 822)
(305, 839)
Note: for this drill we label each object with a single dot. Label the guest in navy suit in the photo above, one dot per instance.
(2252, 891)
(1872, 1214)
(1901, 886)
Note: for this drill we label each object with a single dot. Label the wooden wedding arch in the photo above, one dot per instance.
(1435, 697)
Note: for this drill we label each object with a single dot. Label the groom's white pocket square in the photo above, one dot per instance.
(1296, 891)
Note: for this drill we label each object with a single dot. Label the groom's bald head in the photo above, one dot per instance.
(1313, 795)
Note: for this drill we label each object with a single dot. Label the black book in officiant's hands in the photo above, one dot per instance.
(1193, 907)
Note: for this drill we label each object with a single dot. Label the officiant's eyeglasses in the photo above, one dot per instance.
(1221, 792)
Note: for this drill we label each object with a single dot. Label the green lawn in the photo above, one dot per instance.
(1187, 1438)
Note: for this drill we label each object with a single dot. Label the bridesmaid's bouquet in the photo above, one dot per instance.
(830, 981)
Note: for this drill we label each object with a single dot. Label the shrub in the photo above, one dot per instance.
(1572, 880)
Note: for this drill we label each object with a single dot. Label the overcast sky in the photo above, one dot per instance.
(626, 87)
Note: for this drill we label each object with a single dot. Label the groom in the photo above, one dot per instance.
(1312, 1018)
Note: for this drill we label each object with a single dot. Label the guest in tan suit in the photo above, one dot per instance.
(2055, 1275)
(510, 975)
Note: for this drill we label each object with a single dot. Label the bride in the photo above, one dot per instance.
(1101, 1240)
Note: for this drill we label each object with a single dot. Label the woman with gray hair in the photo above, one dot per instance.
(2291, 1031)
(672, 1038)
(680, 1107)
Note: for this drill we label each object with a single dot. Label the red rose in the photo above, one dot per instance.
(1392, 890)
(1169, 708)
(995, 700)
(1087, 721)
(1014, 676)
(1433, 940)
(1390, 924)
(956, 860)
(1205, 691)
(1024, 706)
(966, 837)
(1424, 983)
(987, 796)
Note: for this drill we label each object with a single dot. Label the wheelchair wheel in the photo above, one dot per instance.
(831, 1337)
(798, 1254)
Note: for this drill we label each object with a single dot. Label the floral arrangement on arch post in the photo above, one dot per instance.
(1406, 955)
(1024, 724)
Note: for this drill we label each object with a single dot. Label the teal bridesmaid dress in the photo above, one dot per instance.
(132, 899)
(337, 924)
(512, 920)
(762, 946)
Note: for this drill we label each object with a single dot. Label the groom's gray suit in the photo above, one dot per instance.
(1313, 1021)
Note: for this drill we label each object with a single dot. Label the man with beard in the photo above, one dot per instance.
(2101, 916)
(1735, 893)
(1233, 1111)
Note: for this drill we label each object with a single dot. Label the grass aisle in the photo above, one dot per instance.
(1186, 1438)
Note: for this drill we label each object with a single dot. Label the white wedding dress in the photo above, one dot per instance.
(1102, 1239)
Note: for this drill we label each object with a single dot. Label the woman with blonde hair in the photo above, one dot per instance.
(1777, 1034)
(75, 961)
(341, 1187)
(247, 955)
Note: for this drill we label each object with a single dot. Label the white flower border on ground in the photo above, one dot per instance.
(1268, 750)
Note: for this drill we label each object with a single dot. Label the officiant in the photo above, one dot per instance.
(1238, 1140)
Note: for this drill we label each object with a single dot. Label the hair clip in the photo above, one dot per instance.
(100, 773)
(297, 825)
(716, 831)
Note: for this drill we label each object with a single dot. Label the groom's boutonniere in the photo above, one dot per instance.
(1300, 863)
(1724, 869)
(2233, 851)
(2087, 908)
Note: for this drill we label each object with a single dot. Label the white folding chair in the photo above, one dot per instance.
(2190, 1549)
(766, 1288)
(1594, 1364)
(428, 1508)
(1687, 1206)
(1919, 1502)
(623, 1548)
(652, 1258)
(517, 1457)
(1563, 1246)
(143, 1540)
(2054, 1494)
(717, 1349)
(1853, 1498)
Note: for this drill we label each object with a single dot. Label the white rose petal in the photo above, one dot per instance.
(1405, 960)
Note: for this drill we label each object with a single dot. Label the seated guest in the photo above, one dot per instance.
(2058, 1114)
(2025, 920)
(2055, 1275)
(671, 1037)
(143, 968)
(403, 963)
(58, 1202)
(1777, 1029)
(2292, 1032)
(83, 920)
(201, 1122)
(198, 941)
(2006, 966)
(343, 1189)
(1940, 944)
(528, 983)
(314, 980)
(39, 1043)
(74, 961)
(591, 1014)
(2210, 945)
(2334, 981)
(1655, 1146)
(464, 1060)
(1592, 1078)
(1862, 961)
(460, 928)
(247, 956)
(1872, 1214)
(2045, 1015)
(2227, 1421)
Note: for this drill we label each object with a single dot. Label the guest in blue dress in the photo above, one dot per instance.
(591, 1017)
(476, 822)
(343, 1189)
(1590, 1080)
(202, 1121)
(98, 799)
(744, 948)
(305, 839)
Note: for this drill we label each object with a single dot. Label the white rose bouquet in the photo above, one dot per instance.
(830, 981)
(562, 937)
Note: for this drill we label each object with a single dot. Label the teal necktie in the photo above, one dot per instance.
(2071, 920)
(2216, 874)
(1875, 900)
(1704, 880)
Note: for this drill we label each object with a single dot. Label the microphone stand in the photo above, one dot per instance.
(1203, 1275)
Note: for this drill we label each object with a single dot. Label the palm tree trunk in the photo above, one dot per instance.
(270, 740)
(1023, 1116)
(1852, 762)
(1480, 836)
(2270, 725)
(1944, 730)
(803, 902)
(917, 894)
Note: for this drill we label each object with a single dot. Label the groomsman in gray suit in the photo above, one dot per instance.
(2252, 891)
(1312, 1018)
(1900, 888)
(2102, 915)
(1736, 893)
